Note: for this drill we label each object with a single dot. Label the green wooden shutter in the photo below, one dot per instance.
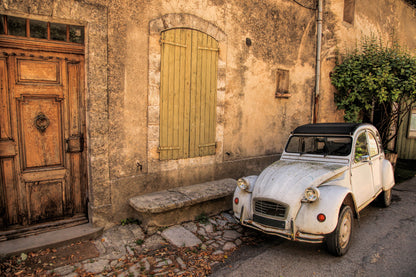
(205, 90)
(187, 94)
(174, 94)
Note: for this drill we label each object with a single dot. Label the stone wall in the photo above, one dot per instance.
(384, 19)
(257, 39)
(252, 125)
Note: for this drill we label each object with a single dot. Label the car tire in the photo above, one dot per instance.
(385, 198)
(338, 242)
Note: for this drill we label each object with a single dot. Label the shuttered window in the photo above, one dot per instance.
(188, 92)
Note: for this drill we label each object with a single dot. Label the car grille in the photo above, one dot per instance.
(269, 208)
(269, 222)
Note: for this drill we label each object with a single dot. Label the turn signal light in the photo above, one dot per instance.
(321, 217)
(236, 200)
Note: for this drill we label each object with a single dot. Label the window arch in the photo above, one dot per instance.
(188, 93)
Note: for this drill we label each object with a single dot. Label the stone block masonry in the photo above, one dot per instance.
(174, 206)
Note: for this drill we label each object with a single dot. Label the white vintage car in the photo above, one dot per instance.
(327, 174)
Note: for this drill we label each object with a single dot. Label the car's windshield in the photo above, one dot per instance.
(319, 145)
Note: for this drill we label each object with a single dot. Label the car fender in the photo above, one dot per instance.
(388, 175)
(242, 209)
(329, 203)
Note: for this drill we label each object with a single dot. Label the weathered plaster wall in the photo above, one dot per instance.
(383, 19)
(253, 124)
(122, 54)
(282, 35)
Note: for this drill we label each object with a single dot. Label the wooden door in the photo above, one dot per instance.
(42, 159)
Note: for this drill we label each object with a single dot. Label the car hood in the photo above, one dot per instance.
(286, 181)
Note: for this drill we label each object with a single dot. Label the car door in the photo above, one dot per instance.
(376, 158)
(361, 172)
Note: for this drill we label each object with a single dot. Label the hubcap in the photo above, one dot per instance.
(345, 230)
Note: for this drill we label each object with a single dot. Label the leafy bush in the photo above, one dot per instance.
(376, 84)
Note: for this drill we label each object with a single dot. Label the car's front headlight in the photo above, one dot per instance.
(243, 184)
(311, 194)
(247, 183)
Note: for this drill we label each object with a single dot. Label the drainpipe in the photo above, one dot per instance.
(318, 61)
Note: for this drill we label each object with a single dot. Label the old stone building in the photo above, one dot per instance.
(104, 100)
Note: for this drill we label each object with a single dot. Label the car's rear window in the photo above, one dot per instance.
(319, 145)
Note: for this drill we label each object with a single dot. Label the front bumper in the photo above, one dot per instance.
(291, 234)
(283, 226)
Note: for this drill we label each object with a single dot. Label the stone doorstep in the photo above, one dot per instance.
(49, 240)
(173, 206)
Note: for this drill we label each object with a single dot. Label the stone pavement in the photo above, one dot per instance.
(189, 249)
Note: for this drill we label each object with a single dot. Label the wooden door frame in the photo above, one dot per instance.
(32, 44)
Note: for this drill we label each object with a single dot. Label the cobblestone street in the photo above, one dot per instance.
(189, 249)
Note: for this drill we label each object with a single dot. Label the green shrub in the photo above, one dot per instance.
(376, 84)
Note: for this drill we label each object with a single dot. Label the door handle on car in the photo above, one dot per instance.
(365, 158)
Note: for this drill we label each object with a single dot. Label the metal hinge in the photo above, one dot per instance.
(166, 148)
(172, 43)
(209, 49)
(208, 145)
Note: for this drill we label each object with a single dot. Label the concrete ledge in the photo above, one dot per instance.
(173, 206)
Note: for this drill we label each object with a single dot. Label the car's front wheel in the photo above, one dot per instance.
(338, 242)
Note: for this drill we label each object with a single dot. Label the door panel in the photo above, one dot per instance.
(5, 120)
(362, 182)
(75, 140)
(9, 197)
(376, 163)
(40, 132)
(8, 190)
(38, 75)
(376, 160)
(43, 169)
(47, 72)
(41, 207)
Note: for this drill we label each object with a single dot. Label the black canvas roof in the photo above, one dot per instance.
(327, 128)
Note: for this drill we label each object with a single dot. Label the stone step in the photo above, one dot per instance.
(50, 239)
(173, 206)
